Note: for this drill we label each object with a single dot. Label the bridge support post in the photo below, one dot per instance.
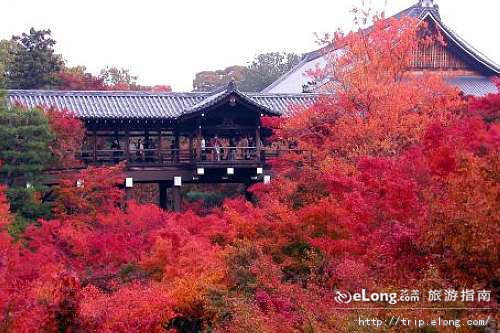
(176, 198)
(163, 195)
(128, 194)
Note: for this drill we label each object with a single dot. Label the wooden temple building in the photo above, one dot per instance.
(217, 137)
(175, 138)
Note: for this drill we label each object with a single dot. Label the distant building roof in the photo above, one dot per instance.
(473, 85)
(294, 80)
(146, 105)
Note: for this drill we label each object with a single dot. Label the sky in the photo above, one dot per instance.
(169, 41)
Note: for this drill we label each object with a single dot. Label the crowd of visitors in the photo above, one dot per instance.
(213, 149)
(221, 148)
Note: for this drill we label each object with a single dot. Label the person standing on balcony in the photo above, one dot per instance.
(244, 147)
(151, 146)
(225, 148)
(115, 146)
(147, 146)
(251, 147)
(172, 151)
(85, 154)
(232, 149)
(131, 149)
(140, 150)
(203, 145)
(217, 145)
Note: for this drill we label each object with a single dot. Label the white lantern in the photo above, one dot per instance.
(129, 182)
(230, 171)
(177, 181)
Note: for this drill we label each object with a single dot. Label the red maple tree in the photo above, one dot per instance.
(399, 191)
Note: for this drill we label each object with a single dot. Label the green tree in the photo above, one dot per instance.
(267, 68)
(7, 49)
(263, 70)
(25, 136)
(33, 63)
(114, 76)
(209, 80)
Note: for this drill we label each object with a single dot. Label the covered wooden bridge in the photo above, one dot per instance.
(175, 138)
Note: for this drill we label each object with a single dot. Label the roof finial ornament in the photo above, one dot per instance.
(231, 85)
(426, 3)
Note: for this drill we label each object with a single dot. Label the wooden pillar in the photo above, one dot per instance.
(176, 198)
(191, 147)
(158, 148)
(127, 145)
(176, 143)
(198, 140)
(258, 143)
(94, 153)
(248, 195)
(163, 195)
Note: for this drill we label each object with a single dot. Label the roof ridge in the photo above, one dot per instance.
(466, 46)
(264, 94)
(165, 106)
(319, 52)
(105, 92)
(219, 96)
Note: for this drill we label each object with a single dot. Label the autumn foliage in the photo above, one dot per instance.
(400, 190)
(78, 79)
(69, 133)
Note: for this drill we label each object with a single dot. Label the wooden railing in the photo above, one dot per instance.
(166, 157)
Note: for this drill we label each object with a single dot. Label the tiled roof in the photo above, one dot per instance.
(418, 11)
(473, 85)
(144, 105)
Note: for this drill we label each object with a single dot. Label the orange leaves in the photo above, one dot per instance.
(379, 107)
(90, 191)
